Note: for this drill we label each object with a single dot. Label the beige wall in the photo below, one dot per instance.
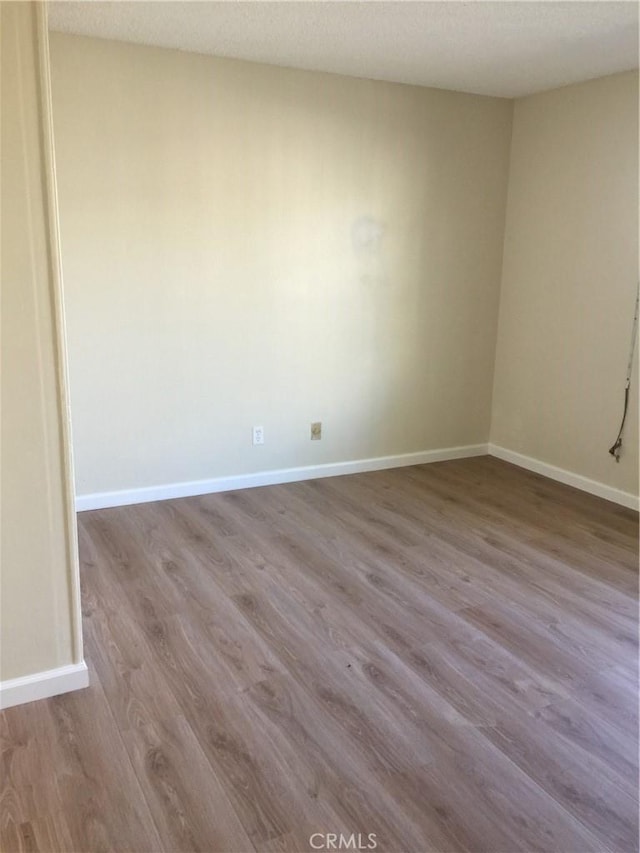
(39, 626)
(212, 280)
(569, 280)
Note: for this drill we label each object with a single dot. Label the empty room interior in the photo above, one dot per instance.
(319, 427)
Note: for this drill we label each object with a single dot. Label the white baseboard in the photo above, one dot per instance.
(42, 685)
(126, 497)
(566, 477)
(102, 500)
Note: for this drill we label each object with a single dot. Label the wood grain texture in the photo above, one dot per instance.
(443, 655)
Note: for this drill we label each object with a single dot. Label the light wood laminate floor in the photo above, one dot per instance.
(443, 655)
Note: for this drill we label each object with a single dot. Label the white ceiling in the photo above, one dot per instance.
(507, 49)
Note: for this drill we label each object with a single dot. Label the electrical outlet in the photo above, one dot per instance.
(258, 435)
(316, 431)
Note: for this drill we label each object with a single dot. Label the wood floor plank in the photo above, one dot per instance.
(612, 694)
(69, 757)
(349, 776)
(47, 834)
(174, 770)
(445, 656)
(483, 681)
(533, 642)
(589, 730)
(609, 810)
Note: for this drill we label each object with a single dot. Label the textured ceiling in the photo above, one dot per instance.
(491, 48)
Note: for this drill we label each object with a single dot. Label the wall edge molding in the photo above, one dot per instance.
(42, 685)
(569, 478)
(59, 326)
(126, 497)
